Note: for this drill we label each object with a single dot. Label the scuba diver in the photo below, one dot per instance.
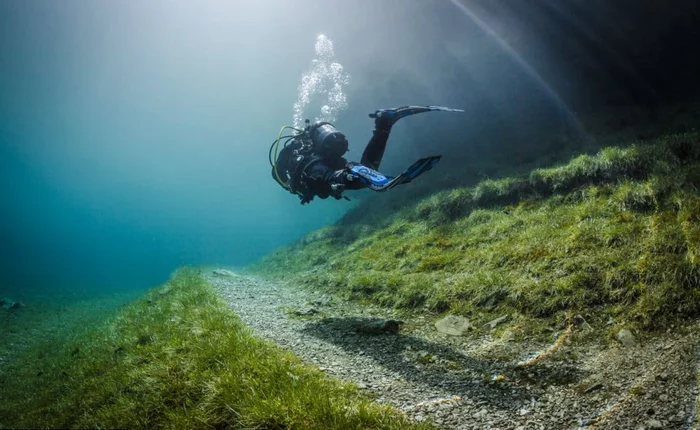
(311, 162)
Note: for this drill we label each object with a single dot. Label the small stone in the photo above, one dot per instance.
(453, 325)
(223, 272)
(626, 338)
(323, 300)
(662, 376)
(507, 335)
(17, 305)
(306, 312)
(593, 387)
(654, 424)
(663, 397)
(523, 412)
(497, 321)
(424, 357)
(481, 413)
(498, 378)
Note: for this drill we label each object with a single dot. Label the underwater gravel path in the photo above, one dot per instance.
(476, 382)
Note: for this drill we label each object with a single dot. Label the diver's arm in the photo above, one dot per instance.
(324, 181)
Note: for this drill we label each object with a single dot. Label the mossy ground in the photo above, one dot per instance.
(615, 234)
(177, 358)
(48, 314)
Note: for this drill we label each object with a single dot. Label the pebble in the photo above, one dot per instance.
(306, 312)
(626, 338)
(593, 387)
(654, 424)
(493, 323)
(223, 272)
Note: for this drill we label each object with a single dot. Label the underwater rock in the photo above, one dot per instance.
(324, 300)
(223, 272)
(379, 327)
(626, 338)
(454, 325)
(494, 323)
(306, 312)
(6, 303)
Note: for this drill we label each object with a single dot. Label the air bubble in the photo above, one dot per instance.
(325, 79)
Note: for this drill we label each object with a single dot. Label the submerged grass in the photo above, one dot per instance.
(617, 232)
(178, 358)
(46, 316)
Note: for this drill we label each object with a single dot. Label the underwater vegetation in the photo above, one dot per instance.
(615, 234)
(176, 358)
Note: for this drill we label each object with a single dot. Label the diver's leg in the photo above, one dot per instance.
(383, 121)
(374, 151)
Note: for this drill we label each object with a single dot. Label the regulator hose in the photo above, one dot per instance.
(275, 145)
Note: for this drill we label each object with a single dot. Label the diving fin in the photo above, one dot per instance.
(376, 181)
(395, 114)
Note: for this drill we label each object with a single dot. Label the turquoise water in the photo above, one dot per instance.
(134, 135)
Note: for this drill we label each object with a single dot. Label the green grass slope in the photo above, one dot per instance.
(178, 358)
(616, 235)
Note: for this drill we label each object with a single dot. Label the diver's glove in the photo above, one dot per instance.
(306, 198)
(338, 182)
(337, 190)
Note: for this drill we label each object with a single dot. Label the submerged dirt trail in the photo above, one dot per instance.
(477, 381)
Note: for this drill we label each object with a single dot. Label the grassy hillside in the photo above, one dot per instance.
(615, 235)
(177, 358)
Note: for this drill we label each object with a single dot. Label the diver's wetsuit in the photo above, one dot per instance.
(328, 177)
(322, 174)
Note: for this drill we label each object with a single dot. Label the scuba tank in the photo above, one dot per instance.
(326, 140)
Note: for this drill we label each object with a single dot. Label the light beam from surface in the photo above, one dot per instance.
(529, 71)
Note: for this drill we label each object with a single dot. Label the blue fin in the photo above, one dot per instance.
(400, 112)
(376, 181)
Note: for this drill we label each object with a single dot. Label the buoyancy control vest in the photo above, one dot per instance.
(317, 142)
